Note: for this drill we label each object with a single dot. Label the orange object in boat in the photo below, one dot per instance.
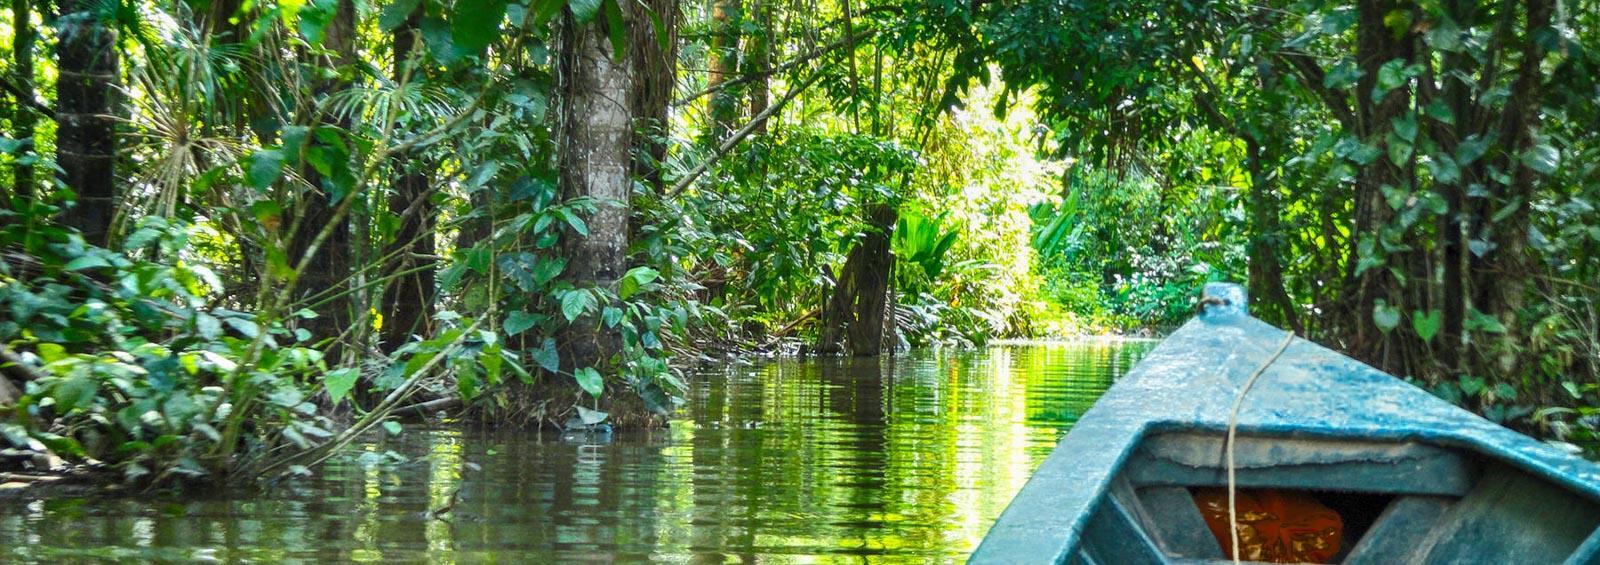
(1275, 526)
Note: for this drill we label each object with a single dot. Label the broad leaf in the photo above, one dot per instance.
(590, 381)
(475, 24)
(339, 383)
(1386, 317)
(519, 321)
(547, 357)
(1427, 324)
(591, 417)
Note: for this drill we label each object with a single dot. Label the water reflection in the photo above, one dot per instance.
(833, 460)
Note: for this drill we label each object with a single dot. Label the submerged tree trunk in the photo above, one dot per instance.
(408, 297)
(595, 134)
(85, 130)
(22, 120)
(855, 315)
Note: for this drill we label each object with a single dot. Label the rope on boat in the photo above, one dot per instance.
(1233, 428)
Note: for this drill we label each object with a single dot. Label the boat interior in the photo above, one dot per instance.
(1397, 502)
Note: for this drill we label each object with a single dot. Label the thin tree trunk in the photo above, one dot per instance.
(1502, 283)
(408, 299)
(22, 119)
(759, 60)
(330, 266)
(1376, 44)
(726, 17)
(1266, 265)
(855, 315)
(596, 140)
(86, 97)
(655, 71)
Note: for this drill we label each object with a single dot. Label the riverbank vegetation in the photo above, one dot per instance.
(236, 235)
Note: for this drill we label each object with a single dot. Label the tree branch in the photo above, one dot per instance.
(26, 99)
(743, 132)
(1313, 76)
(848, 40)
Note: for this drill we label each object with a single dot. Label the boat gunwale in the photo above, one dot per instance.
(1046, 522)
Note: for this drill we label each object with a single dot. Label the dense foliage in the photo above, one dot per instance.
(1410, 182)
(236, 235)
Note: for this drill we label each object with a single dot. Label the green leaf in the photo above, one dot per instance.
(1542, 158)
(392, 427)
(396, 13)
(1392, 75)
(246, 327)
(1444, 169)
(663, 41)
(1479, 321)
(87, 262)
(546, 270)
(209, 326)
(574, 221)
(482, 175)
(615, 29)
(467, 384)
(519, 321)
(1399, 149)
(51, 352)
(1385, 316)
(492, 360)
(475, 24)
(546, 10)
(266, 166)
(339, 383)
(547, 357)
(1406, 127)
(1427, 324)
(574, 302)
(584, 11)
(1471, 148)
(314, 19)
(590, 381)
(634, 279)
(590, 417)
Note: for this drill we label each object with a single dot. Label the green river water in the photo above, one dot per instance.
(903, 460)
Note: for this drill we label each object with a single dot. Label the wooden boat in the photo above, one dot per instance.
(1415, 479)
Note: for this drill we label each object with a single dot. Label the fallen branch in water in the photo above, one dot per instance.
(26, 478)
(427, 408)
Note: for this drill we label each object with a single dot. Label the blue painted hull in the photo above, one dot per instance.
(1437, 484)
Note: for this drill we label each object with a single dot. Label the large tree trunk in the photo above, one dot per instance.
(408, 298)
(655, 72)
(22, 121)
(85, 130)
(1501, 283)
(726, 18)
(329, 267)
(595, 134)
(854, 317)
(1376, 44)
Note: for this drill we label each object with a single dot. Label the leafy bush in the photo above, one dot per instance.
(132, 360)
